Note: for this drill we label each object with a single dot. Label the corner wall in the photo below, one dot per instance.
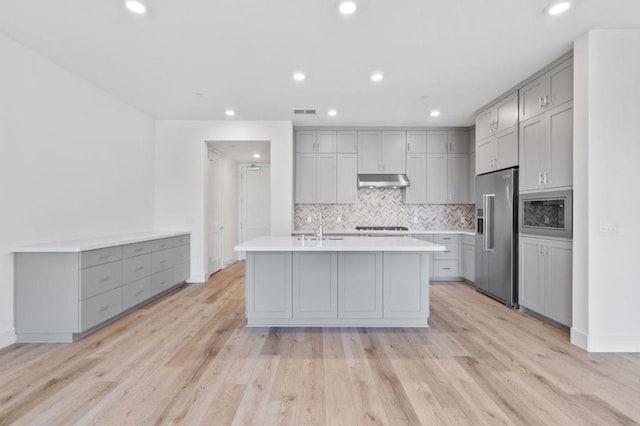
(75, 162)
(181, 177)
(606, 289)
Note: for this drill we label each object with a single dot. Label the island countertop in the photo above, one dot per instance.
(397, 244)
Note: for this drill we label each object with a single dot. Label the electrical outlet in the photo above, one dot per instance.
(339, 219)
(308, 219)
(608, 227)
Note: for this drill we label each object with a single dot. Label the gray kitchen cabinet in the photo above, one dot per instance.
(437, 191)
(382, 152)
(446, 263)
(305, 141)
(405, 285)
(347, 178)
(315, 294)
(472, 166)
(552, 89)
(269, 289)
(305, 178)
(498, 117)
(347, 142)
(316, 169)
(545, 277)
(360, 284)
(61, 296)
(326, 174)
(457, 142)
(437, 142)
(326, 141)
(546, 150)
(458, 178)
(416, 142)
(416, 193)
(468, 260)
(497, 136)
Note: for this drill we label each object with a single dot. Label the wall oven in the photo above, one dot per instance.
(548, 214)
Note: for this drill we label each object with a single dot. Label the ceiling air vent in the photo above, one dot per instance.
(304, 111)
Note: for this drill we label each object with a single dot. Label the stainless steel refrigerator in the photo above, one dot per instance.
(497, 236)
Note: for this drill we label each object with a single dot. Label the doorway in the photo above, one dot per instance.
(215, 214)
(255, 201)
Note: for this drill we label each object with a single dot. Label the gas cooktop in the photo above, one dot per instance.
(381, 228)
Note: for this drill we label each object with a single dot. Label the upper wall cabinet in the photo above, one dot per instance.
(497, 136)
(551, 90)
(498, 117)
(416, 142)
(381, 152)
(347, 141)
(310, 141)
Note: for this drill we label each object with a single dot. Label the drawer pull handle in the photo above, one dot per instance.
(163, 282)
(139, 268)
(104, 308)
(105, 279)
(139, 249)
(447, 269)
(163, 261)
(139, 292)
(104, 257)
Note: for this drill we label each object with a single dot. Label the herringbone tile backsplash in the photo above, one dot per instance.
(384, 207)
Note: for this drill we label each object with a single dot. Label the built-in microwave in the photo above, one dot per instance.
(547, 214)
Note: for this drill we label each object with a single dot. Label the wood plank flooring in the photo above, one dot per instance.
(188, 359)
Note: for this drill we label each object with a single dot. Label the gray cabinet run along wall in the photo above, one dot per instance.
(62, 296)
(436, 161)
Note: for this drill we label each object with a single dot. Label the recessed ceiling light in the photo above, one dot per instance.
(332, 113)
(136, 6)
(230, 113)
(435, 113)
(299, 76)
(377, 76)
(347, 7)
(256, 155)
(559, 8)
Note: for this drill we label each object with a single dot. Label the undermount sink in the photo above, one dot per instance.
(323, 238)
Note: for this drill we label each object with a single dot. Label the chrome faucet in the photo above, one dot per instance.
(320, 230)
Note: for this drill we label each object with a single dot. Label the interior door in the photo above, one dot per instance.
(255, 202)
(215, 215)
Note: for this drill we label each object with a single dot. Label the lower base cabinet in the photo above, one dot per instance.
(406, 285)
(316, 277)
(360, 284)
(545, 277)
(468, 262)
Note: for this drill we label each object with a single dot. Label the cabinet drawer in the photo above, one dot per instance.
(445, 268)
(137, 249)
(165, 243)
(184, 240)
(450, 253)
(162, 260)
(100, 308)
(469, 240)
(445, 239)
(136, 268)
(181, 254)
(162, 281)
(99, 279)
(181, 273)
(100, 256)
(135, 293)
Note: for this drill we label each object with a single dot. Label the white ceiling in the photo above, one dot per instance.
(241, 53)
(243, 151)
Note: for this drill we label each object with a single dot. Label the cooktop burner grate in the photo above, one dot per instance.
(381, 228)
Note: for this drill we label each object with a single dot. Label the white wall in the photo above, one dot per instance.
(607, 174)
(181, 178)
(74, 162)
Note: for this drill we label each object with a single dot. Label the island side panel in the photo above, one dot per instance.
(268, 285)
(360, 284)
(406, 285)
(315, 289)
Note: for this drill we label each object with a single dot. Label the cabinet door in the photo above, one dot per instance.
(458, 178)
(315, 285)
(532, 98)
(347, 179)
(472, 178)
(393, 152)
(559, 147)
(531, 289)
(558, 279)
(416, 193)
(348, 141)
(437, 142)
(360, 284)
(326, 179)
(437, 179)
(507, 148)
(305, 178)
(560, 84)
(485, 153)
(368, 157)
(305, 141)
(416, 142)
(458, 142)
(484, 122)
(326, 140)
(507, 112)
(269, 285)
(405, 285)
(532, 153)
(468, 262)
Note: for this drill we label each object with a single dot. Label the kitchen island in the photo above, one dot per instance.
(337, 281)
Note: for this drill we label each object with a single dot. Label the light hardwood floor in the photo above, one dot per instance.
(188, 359)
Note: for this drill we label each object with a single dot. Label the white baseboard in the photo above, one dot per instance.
(7, 337)
(614, 344)
(579, 339)
(196, 278)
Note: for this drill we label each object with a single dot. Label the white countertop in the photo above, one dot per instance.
(343, 244)
(409, 232)
(95, 243)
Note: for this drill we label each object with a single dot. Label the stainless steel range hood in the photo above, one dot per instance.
(383, 181)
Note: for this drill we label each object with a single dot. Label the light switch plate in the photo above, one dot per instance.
(608, 227)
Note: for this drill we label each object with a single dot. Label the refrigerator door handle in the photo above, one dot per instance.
(489, 219)
(485, 235)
